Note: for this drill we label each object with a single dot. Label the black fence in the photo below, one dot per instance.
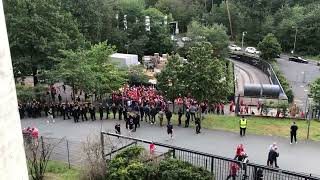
(263, 66)
(69, 152)
(217, 165)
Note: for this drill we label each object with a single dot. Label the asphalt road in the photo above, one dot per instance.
(247, 74)
(301, 157)
(299, 76)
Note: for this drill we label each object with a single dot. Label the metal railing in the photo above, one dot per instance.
(263, 66)
(218, 165)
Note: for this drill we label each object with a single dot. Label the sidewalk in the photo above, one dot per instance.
(301, 157)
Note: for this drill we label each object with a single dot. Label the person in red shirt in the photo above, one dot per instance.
(234, 167)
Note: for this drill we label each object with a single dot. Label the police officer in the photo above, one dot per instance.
(107, 110)
(187, 118)
(101, 108)
(243, 126)
(120, 111)
(141, 109)
(92, 111)
(179, 116)
(198, 125)
(114, 110)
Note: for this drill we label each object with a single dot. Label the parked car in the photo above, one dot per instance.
(298, 59)
(252, 50)
(233, 47)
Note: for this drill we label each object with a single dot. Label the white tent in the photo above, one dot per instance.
(125, 60)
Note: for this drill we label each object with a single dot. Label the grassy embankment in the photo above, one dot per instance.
(260, 126)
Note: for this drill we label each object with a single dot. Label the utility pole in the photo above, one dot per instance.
(229, 16)
(295, 40)
(243, 34)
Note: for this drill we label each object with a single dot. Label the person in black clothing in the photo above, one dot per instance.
(107, 111)
(272, 157)
(64, 112)
(117, 128)
(198, 125)
(114, 110)
(170, 130)
(131, 123)
(92, 111)
(168, 116)
(75, 114)
(46, 109)
(21, 111)
(125, 112)
(101, 108)
(187, 118)
(293, 132)
(59, 98)
(136, 120)
(180, 113)
(141, 112)
(120, 111)
(146, 113)
(153, 113)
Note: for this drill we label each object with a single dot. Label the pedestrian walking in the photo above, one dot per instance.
(272, 157)
(114, 110)
(187, 118)
(160, 115)
(50, 116)
(168, 116)
(101, 108)
(92, 111)
(117, 128)
(107, 111)
(170, 130)
(180, 113)
(141, 109)
(198, 125)
(293, 132)
(243, 126)
(146, 113)
(153, 113)
(120, 111)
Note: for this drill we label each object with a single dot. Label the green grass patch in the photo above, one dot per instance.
(259, 125)
(60, 171)
(316, 58)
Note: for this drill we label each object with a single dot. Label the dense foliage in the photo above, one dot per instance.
(27, 93)
(131, 164)
(201, 75)
(269, 47)
(315, 92)
(90, 70)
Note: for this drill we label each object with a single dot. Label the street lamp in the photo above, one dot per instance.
(295, 39)
(243, 34)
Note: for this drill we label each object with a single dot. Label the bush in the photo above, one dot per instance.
(129, 165)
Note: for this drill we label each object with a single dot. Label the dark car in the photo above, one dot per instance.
(298, 60)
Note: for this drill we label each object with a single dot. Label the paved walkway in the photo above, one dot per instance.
(301, 157)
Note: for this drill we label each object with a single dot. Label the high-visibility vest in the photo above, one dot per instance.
(243, 123)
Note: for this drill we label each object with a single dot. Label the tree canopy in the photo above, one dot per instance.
(90, 70)
(269, 47)
(201, 75)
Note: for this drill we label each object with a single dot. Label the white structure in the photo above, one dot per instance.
(125, 60)
(12, 156)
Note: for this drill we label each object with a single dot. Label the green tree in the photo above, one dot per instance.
(37, 31)
(170, 80)
(215, 34)
(269, 47)
(315, 92)
(136, 75)
(204, 74)
(90, 70)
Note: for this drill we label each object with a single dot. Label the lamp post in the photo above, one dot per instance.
(295, 39)
(243, 34)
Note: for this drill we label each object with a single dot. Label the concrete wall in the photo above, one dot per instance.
(12, 156)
